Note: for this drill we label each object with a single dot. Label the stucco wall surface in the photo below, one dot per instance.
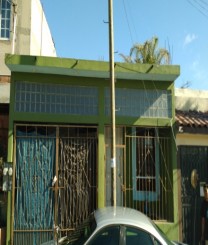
(41, 39)
(4, 92)
(30, 33)
(189, 99)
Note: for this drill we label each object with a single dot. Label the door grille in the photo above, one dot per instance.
(41, 204)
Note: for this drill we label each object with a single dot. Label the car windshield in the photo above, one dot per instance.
(80, 235)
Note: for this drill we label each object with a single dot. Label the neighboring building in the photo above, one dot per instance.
(23, 30)
(192, 144)
(60, 141)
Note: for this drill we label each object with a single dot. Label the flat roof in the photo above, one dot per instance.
(90, 68)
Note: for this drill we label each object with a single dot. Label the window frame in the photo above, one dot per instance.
(6, 18)
(122, 233)
(142, 195)
(140, 103)
(49, 98)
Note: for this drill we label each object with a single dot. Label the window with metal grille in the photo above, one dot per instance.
(145, 164)
(150, 182)
(5, 18)
(144, 179)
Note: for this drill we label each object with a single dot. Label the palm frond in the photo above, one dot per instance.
(148, 53)
(126, 59)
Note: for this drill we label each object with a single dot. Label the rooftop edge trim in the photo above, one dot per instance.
(90, 68)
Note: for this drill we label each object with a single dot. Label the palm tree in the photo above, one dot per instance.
(148, 53)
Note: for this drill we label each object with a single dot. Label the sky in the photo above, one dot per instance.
(80, 30)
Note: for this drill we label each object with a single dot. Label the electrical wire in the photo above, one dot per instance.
(202, 4)
(127, 21)
(199, 7)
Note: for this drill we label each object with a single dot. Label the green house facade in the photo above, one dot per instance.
(59, 144)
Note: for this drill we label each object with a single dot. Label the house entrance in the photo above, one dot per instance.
(55, 180)
(143, 170)
(192, 158)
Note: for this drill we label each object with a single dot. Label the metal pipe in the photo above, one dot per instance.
(112, 80)
(14, 27)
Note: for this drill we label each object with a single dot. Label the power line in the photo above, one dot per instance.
(203, 4)
(127, 21)
(199, 7)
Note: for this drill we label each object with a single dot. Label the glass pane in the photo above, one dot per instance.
(3, 23)
(3, 13)
(8, 3)
(137, 237)
(107, 236)
(140, 103)
(63, 99)
(7, 24)
(4, 3)
(5, 18)
(8, 14)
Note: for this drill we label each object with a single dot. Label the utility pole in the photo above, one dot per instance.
(113, 129)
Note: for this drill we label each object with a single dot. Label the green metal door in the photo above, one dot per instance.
(34, 197)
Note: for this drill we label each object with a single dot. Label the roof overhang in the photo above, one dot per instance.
(90, 68)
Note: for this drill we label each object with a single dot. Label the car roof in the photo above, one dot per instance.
(121, 215)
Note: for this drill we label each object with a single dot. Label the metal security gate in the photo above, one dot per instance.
(192, 158)
(34, 197)
(77, 176)
(55, 181)
(143, 170)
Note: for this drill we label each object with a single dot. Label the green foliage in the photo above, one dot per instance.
(148, 53)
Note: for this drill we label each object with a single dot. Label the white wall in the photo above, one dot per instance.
(4, 48)
(23, 27)
(41, 39)
(33, 35)
(197, 100)
(192, 139)
(4, 92)
(188, 99)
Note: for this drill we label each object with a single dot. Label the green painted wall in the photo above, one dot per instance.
(92, 73)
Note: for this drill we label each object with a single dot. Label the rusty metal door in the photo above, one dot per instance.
(77, 175)
(55, 181)
(190, 158)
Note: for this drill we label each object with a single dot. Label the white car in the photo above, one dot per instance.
(117, 226)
